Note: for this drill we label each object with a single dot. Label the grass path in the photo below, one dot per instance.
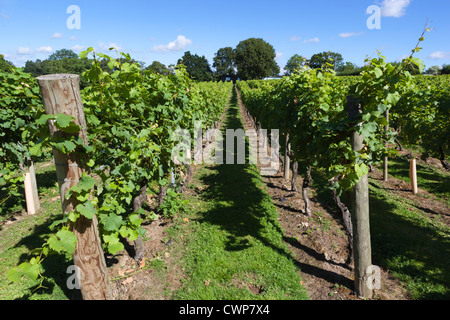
(234, 243)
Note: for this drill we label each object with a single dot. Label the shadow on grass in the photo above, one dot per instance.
(412, 248)
(44, 180)
(235, 184)
(247, 211)
(417, 252)
(428, 179)
(55, 266)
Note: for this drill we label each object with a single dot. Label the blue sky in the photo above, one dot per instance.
(164, 30)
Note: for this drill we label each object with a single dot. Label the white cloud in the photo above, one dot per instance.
(44, 49)
(278, 55)
(439, 55)
(294, 38)
(110, 45)
(350, 34)
(179, 44)
(78, 47)
(394, 8)
(313, 40)
(23, 51)
(73, 38)
(57, 35)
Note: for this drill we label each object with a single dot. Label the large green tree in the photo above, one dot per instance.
(197, 67)
(62, 61)
(445, 69)
(255, 59)
(62, 54)
(348, 69)
(434, 70)
(158, 67)
(225, 63)
(320, 59)
(296, 62)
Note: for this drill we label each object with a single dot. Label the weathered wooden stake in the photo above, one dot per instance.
(287, 160)
(386, 160)
(31, 192)
(413, 175)
(360, 218)
(61, 95)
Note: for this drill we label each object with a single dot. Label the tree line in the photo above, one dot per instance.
(252, 59)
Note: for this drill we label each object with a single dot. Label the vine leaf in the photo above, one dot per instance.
(86, 209)
(63, 241)
(85, 184)
(111, 222)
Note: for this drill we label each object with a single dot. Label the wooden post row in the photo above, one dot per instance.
(61, 95)
(287, 160)
(31, 192)
(413, 175)
(386, 160)
(360, 217)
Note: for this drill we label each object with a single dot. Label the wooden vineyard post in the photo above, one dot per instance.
(413, 175)
(61, 95)
(386, 160)
(360, 218)
(287, 160)
(31, 192)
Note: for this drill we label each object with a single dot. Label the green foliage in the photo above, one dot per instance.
(172, 204)
(445, 69)
(349, 69)
(423, 114)
(197, 67)
(5, 65)
(319, 60)
(159, 68)
(63, 54)
(311, 107)
(224, 63)
(62, 61)
(255, 59)
(19, 103)
(434, 70)
(295, 63)
(131, 120)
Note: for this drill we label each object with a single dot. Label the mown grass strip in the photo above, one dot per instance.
(235, 246)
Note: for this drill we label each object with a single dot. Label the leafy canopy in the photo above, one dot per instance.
(255, 59)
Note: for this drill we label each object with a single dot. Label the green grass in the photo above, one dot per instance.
(406, 241)
(429, 178)
(28, 233)
(235, 246)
